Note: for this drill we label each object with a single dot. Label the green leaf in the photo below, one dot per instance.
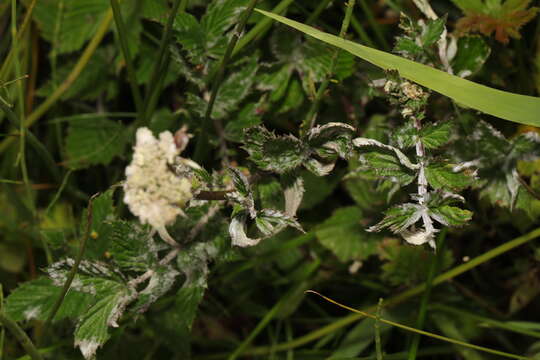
(270, 222)
(276, 81)
(331, 139)
(161, 281)
(399, 217)
(234, 89)
(103, 212)
(219, 17)
(250, 115)
(68, 24)
(191, 35)
(279, 154)
(96, 140)
(436, 134)
(517, 108)
(132, 247)
(441, 176)
(433, 31)
(36, 298)
(405, 136)
(317, 59)
(407, 46)
(408, 265)
(450, 215)
(471, 55)
(92, 329)
(344, 235)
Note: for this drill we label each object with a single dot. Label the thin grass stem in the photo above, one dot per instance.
(317, 12)
(122, 36)
(400, 298)
(373, 23)
(75, 267)
(159, 67)
(73, 75)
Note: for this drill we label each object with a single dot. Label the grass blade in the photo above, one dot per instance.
(505, 105)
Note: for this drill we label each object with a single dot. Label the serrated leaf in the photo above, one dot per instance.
(279, 154)
(240, 181)
(450, 215)
(294, 97)
(343, 234)
(270, 222)
(319, 168)
(235, 88)
(219, 17)
(399, 218)
(433, 31)
(526, 146)
(161, 281)
(103, 212)
(441, 176)
(36, 298)
(405, 136)
(436, 134)
(472, 53)
(95, 141)
(250, 115)
(68, 24)
(331, 139)
(191, 35)
(405, 45)
(276, 81)
(92, 329)
(513, 107)
(400, 156)
(317, 60)
(408, 265)
(132, 247)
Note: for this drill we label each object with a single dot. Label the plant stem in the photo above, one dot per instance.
(433, 269)
(158, 69)
(73, 75)
(318, 10)
(21, 336)
(376, 28)
(201, 149)
(450, 274)
(425, 333)
(309, 120)
(122, 36)
(75, 267)
(378, 348)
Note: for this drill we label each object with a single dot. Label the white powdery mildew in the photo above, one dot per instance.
(88, 347)
(32, 313)
(152, 191)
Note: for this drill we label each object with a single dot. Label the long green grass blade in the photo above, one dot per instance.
(505, 105)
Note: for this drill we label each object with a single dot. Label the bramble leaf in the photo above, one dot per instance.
(471, 55)
(344, 235)
(436, 134)
(96, 140)
(399, 218)
(35, 299)
(441, 176)
(433, 31)
(450, 215)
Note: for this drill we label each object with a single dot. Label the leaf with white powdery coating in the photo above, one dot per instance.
(442, 176)
(399, 218)
(92, 329)
(450, 215)
(132, 247)
(35, 299)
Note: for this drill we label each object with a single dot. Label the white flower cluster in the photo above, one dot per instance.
(154, 193)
